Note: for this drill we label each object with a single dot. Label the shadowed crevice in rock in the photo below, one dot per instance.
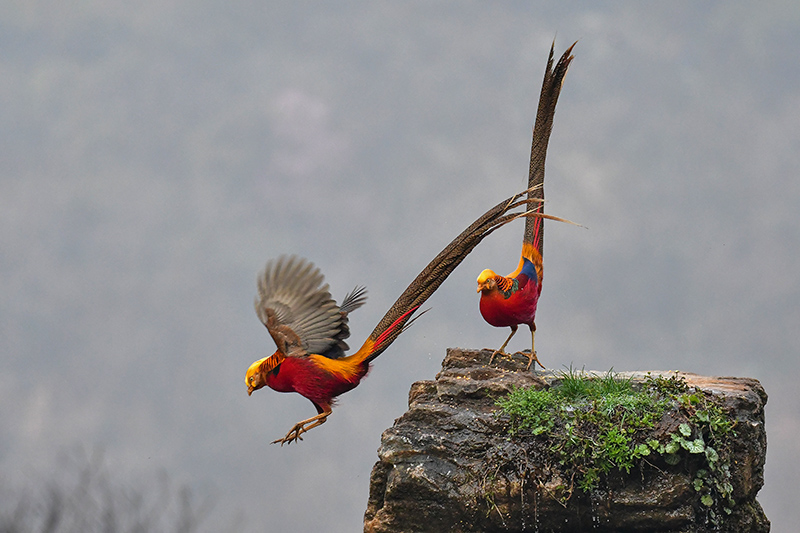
(449, 464)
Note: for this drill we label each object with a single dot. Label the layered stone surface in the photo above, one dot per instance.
(449, 464)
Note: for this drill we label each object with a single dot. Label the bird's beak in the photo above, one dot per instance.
(249, 390)
(479, 288)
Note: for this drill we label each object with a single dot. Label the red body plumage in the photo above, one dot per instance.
(508, 301)
(518, 308)
(306, 377)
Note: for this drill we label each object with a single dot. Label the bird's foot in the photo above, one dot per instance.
(303, 426)
(500, 351)
(531, 358)
(293, 435)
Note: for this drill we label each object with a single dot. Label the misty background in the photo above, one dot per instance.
(155, 155)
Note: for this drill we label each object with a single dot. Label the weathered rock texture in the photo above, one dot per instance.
(448, 464)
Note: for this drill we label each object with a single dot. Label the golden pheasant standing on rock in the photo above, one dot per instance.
(508, 301)
(309, 328)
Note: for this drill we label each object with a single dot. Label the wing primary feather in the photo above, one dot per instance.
(354, 299)
(294, 292)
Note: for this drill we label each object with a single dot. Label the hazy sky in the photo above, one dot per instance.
(156, 154)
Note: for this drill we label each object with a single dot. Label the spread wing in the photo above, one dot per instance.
(296, 306)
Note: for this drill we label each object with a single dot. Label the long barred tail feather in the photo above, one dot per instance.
(551, 88)
(432, 276)
(425, 284)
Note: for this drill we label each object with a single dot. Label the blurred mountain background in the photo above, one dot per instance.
(155, 155)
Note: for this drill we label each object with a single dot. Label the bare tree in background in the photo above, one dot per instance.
(84, 497)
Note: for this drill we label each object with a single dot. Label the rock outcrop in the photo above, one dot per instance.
(449, 464)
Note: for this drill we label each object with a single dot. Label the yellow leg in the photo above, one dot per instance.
(500, 350)
(302, 427)
(533, 357)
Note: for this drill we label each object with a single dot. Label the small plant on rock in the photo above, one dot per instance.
(594, 426)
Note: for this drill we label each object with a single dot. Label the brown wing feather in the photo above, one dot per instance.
(287, 341)
(296, 306)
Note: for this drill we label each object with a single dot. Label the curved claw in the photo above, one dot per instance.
(498, 351)
(301, 427)
(293, 435)
(530, 355)
(502, 346)
(531, 358)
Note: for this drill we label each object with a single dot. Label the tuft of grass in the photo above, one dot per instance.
(596, 425)
(606, 400)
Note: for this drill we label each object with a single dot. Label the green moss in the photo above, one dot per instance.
(593, 426)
